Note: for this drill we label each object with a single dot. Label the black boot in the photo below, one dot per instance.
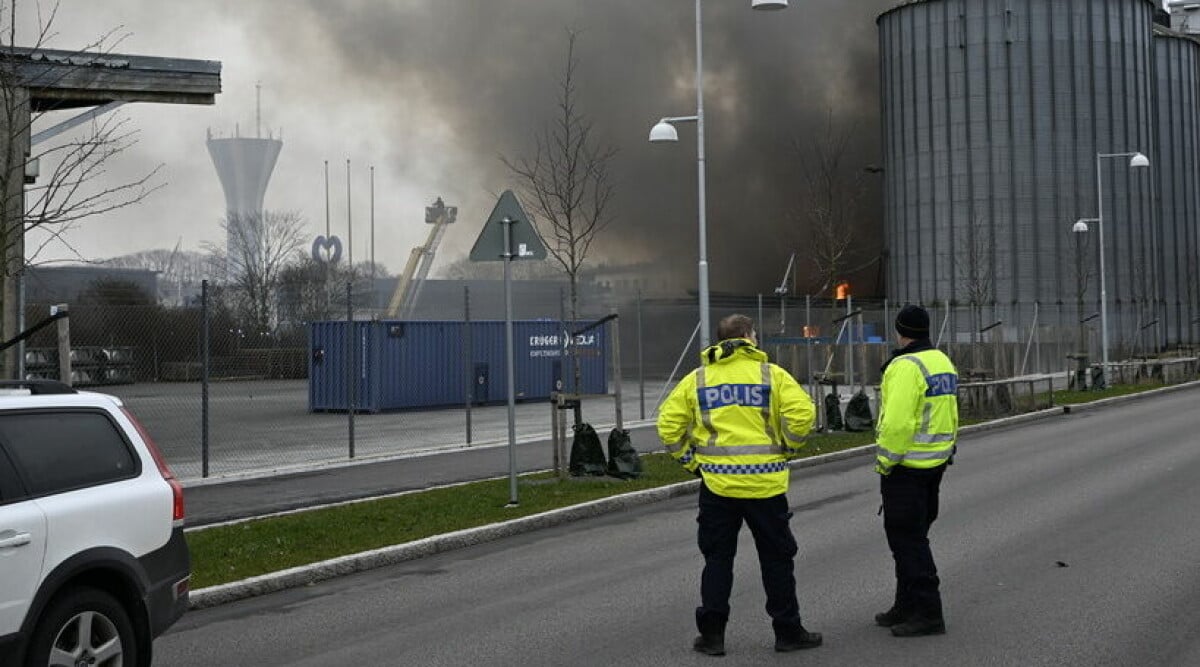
(891, 617)
(710, 644)
(902, 606)
(920, 626)
(712, 632)
(926, 617)
(796, 638)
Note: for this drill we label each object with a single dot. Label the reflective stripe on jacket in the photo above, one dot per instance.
(918, 420)
(737, 419)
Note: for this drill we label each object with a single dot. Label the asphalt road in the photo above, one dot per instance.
(1071, 541)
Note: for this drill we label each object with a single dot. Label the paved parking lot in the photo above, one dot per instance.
(265, 425)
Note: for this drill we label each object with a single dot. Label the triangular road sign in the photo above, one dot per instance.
(526, 244)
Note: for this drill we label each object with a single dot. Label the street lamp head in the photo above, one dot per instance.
(1079, 227)
(663, 131)
(1139, 161)
(768, 4)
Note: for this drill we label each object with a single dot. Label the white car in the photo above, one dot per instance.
(93, 562)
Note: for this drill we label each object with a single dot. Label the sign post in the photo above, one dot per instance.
(507, 236)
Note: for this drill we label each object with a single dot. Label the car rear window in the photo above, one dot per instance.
(11, 489)
(60, 451)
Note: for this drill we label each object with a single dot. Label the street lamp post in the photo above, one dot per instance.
(664, 130)
(1136, 161)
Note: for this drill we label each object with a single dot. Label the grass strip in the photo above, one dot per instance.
(231, 553)
(1073, 397)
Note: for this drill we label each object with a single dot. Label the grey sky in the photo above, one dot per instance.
(432, 91)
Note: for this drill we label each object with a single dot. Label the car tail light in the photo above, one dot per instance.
(176, 488)
(182, 587)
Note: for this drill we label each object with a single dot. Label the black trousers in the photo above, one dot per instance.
(910, 506)
(720, 521)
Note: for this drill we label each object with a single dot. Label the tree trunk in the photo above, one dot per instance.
(576, 371)
(16, 120)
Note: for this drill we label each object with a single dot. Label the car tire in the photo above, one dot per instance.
(57, 640)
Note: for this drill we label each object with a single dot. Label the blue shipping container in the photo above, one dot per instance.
(403, 365)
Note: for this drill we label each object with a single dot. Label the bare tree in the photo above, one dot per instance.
(304, 290)
(829, 212)
(177, 269)
(566, 181)
(71, 186)
(974, 267)
(568, 184)
(1083, 276)
(259, 248)
(1141, 298)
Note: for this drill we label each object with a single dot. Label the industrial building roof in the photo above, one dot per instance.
(61, 79)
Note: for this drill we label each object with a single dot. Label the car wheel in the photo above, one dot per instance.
(83, 626)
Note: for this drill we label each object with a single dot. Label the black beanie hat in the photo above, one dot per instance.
(913, 322)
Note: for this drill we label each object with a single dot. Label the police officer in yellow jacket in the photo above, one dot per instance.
(736, 421)
(916, 435)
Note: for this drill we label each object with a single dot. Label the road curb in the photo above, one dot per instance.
(309, 574)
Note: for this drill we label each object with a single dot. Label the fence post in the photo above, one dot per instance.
(850, 345)
(759, 322)
(468, 355)
(555, 442)
(808, 364)
(351, 374)
(616, 348)
(64, 344)
(641, 367)
(204, 369)
(20, 366)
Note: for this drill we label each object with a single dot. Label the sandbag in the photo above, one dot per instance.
(833, 412)
(858, 413)
(587, 457)
(623, 459)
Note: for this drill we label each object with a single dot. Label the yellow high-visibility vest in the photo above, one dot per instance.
(918, 418)
(737, 419)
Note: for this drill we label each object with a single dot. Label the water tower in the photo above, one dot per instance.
(244, 165)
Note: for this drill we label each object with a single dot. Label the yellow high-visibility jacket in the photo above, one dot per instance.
(737, 420)
(918, 418)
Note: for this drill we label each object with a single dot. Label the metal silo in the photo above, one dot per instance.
(993, 114)
(1177, 122)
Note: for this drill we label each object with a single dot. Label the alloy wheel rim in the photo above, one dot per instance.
(87, 639)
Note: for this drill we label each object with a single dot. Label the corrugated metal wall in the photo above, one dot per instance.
(1177, 65)
(410, 364)
(993, 113)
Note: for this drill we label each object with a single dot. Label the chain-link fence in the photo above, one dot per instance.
(222, 399)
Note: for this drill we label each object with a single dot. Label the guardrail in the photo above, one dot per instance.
(1000, 398)
(1166, 371)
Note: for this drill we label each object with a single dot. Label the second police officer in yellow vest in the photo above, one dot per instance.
(916, 435)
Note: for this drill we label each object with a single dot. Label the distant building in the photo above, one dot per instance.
(649, 278)
(532, 299)
(73, 284)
